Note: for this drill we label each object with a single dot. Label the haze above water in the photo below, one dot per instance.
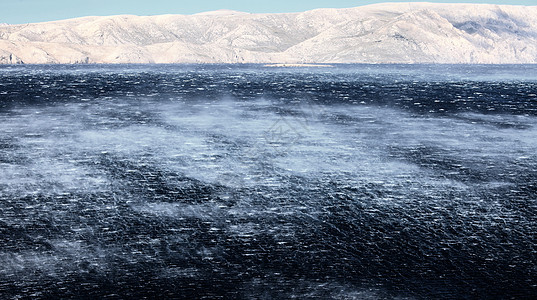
(354, 181)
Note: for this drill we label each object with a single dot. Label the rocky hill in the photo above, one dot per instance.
(381, 33)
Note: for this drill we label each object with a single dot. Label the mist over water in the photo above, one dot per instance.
(352, 182)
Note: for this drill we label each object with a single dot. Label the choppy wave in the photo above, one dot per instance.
(250, 182)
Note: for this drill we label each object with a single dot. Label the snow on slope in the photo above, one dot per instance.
(381, 33)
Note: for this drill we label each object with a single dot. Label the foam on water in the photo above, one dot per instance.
(198, 181)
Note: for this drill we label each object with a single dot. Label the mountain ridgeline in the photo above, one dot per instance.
(381, 33)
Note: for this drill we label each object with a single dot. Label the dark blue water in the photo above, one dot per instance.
(352, 182)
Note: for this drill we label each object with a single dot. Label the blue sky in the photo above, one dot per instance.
(27, 11)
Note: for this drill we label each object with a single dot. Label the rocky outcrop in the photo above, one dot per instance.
(9, 58)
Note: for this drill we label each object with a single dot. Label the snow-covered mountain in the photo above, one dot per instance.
(381, 33)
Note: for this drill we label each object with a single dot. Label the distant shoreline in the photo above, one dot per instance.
(299, 65)
(270, 65)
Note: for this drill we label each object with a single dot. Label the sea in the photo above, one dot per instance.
(258, 182)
